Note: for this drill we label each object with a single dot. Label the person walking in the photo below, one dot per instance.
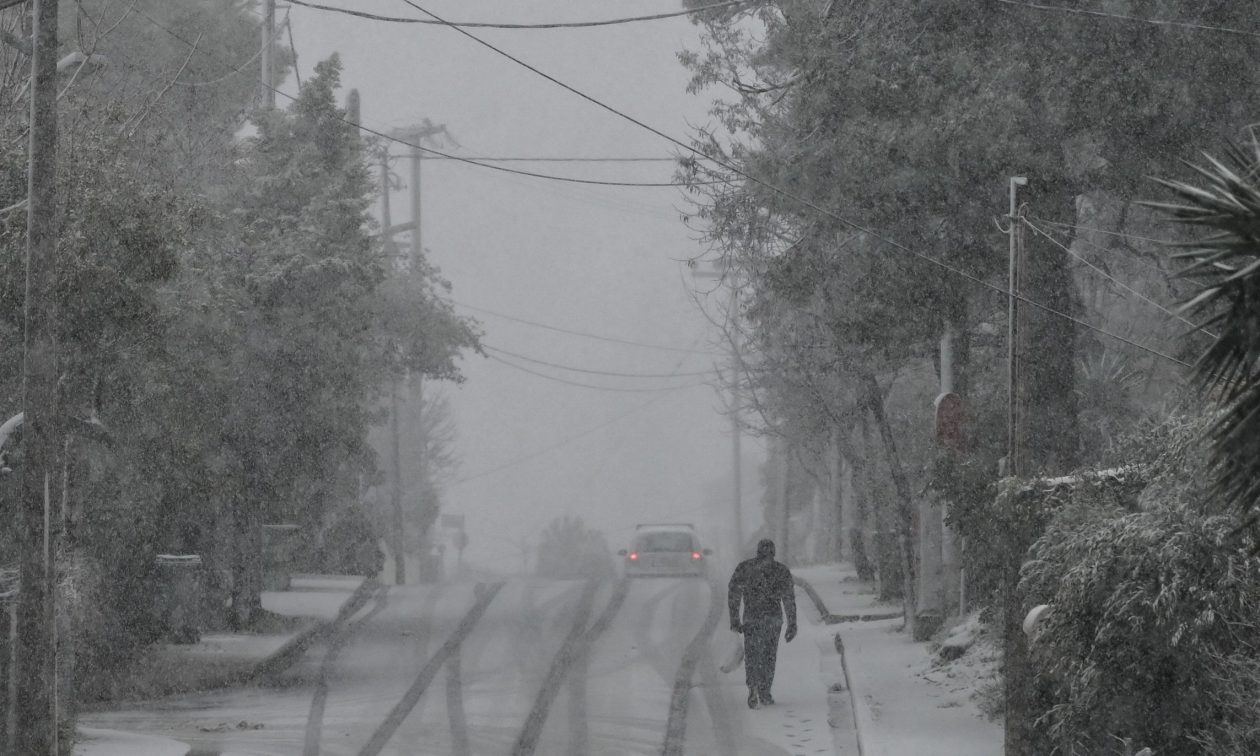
(764, 587)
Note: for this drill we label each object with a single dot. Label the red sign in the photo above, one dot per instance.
(950, 419)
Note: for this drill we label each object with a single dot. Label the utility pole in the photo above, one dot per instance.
(36, 674)
(785, 512)
(737, 480)
(395, 478)
(395, 493)
(1016, 233)
(414, 135)
(268, 55)
(737, 366)
(417, 251)
(1014, 645)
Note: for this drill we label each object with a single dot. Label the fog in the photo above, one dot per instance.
(602, 260)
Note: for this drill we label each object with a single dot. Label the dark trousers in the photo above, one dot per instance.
(761, 649)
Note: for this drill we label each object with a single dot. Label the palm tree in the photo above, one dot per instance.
(1225, 267)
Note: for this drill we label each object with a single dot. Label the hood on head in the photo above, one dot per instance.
(765, 548)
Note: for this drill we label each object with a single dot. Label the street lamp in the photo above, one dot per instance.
(721, 270)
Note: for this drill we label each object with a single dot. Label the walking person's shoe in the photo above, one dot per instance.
(753, 701)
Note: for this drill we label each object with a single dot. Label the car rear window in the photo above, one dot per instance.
(664, 541)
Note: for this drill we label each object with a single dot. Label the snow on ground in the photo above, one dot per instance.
(96, 742)
(317, 596)
(799, 722)
(906, 701)
(905, 705)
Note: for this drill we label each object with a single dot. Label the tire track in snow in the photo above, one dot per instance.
(719, 714)
(676, 727)
(315, 718)
(455, 706)
(643, 631)
(576, 646)
(409, 700)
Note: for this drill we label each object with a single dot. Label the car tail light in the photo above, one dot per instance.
(634, 556)
(696, 555)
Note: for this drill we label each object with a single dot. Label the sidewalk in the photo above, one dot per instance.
(311, 606)
(905, 701)
(97, 742)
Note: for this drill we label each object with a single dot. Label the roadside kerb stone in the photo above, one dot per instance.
(288, 654)
(848, 697)
(835, 619)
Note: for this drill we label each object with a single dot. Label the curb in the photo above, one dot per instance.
(288, 654)
(830, 619)
(836, 619)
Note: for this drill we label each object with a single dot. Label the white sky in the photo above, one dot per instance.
(596, 259)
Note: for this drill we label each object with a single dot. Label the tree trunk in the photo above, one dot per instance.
(247, 553)
(905, 502)
(883, 520)
(43, 427)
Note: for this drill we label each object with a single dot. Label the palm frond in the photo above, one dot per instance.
(1225, 265)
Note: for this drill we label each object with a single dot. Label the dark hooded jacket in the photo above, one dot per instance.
(764, 586)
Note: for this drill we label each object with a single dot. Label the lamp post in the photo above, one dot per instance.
(721, 271)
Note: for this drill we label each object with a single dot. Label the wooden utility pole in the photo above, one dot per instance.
(395, 467)
(417, 250)
(395, 492)
(1014, 644)
(1016, 233)
(42, 431)
(268, 56)
(784, 494)
(737, 475)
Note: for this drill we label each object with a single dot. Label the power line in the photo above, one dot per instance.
(556, 159)
(620, 389)
(432, 151)
(1122, 17)
(494, 25)
(1118, 282)
(570, 439)
(584, 334)
(589, 371)
(518, 461)
(1121, 234)
(790, 196)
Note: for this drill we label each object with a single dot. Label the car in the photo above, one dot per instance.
(665, 549)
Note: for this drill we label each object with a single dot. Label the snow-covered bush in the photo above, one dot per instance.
(1145, 606)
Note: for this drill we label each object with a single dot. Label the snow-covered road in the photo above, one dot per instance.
(528, 666)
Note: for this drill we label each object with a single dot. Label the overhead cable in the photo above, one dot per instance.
(1118, 282)
(620, 389)
(495, 25)
(795, 198)
(1121, 234)
(589, 371)
(432, 151)
(557, 159)
(585, 334)
(1122, 17)
(531, 456)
